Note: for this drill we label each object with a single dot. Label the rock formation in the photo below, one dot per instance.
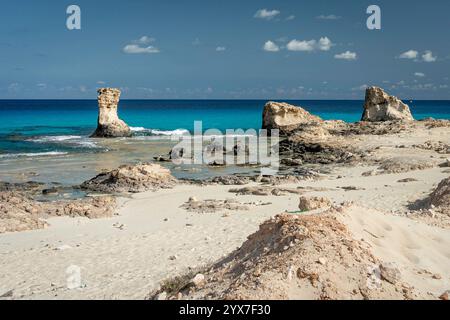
(286, 117)
(440, 198)
(19, 212)
(313, 203)
(109, 125)
(132, 178)
(291, 257)
(379, 106)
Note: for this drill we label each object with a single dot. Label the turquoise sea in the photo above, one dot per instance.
(53, 127)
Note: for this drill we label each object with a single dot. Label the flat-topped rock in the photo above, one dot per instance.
(379, 106)
(132, 178)
(109, 125)
(286, 117)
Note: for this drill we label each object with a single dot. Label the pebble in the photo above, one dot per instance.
(161, 296)
(445, 295)
(198, 280)
(390, 273)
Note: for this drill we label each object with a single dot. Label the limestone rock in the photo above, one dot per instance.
(445, 295)
(109, 125)
(440, 198)
(379, 106)
(19, 212)
(285, 117)
(313, 203)
(390, 273)
(93, 208)
(132, 178)
(198, 280)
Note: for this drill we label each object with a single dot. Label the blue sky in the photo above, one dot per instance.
(252, 49)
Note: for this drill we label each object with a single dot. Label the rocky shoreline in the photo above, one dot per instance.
(310, 148)
(356, 211)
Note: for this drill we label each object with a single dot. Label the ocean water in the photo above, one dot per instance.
(35, 128)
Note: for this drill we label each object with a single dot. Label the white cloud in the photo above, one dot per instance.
(266, 14)
(137, 49)
(14, 87)
(141, 45)
(296, 45)
(428, 56)
(292, 17)
(347, 55)
(360, 88)
(328, 17)
(324, 44)
(270, 46)
(221, 49)
(144, 40)
(411, 54)
(419, 74)
(102, 83)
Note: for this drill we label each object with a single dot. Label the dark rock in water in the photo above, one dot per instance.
(52, 191)
(291, 162)
(162, 158)
(215, 148)
(230, 180)
(315, 152)
(109, 125)
(238, 149)
(30, 186)
(216, 163)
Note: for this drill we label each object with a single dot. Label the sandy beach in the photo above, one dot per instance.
(355, 211)
(152, 238)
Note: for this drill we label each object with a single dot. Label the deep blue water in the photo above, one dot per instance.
(33, 126)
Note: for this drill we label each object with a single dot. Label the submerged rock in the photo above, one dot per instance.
(379, 106)
(109, 125)
(285, 117)
(132, 178)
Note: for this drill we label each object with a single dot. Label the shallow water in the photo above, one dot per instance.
(48, 140)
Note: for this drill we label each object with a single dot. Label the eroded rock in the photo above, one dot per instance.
(440, 198)
(313, 203)
(19, 212)
(285, 117)
(379, 106)
(109, 125)
(132, 178)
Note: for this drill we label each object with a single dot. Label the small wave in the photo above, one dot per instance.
(68, 140)
(35, 154)
(156, 132)
(54, 138)
(138, 129)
